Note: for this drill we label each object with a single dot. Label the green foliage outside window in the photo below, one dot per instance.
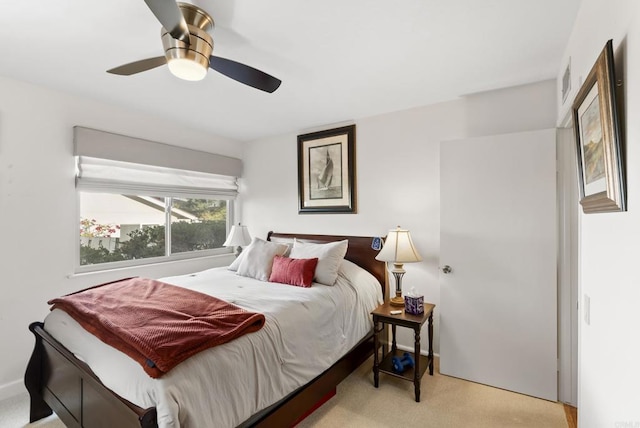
(208, 232)
(149, 242)
(204, 209)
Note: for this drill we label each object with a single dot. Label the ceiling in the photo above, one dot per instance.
(338, 60)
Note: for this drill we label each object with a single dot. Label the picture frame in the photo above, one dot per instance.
(326, 171)
(566, 81)
(598, 139)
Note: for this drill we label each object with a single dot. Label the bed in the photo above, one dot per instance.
(58, 380)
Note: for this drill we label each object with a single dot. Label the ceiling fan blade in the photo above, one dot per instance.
(244, 74)
(170, 16)
(138, 66)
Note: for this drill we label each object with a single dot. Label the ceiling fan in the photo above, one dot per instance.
(188, 47)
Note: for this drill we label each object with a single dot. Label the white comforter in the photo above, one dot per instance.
(306, 331)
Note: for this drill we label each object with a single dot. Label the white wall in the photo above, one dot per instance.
(398, 182)
(38, 211)
(608, 394)
(397, 178)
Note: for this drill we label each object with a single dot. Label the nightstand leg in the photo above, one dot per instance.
(416, 372)
(393, 339)
(430, 334)
(376, 345)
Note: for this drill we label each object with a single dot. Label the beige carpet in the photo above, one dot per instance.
(446, 402)
(14, 413)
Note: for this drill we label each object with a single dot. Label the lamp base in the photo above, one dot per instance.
(396, 301)
(397, 272)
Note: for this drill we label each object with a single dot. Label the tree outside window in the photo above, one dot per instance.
(115, 227)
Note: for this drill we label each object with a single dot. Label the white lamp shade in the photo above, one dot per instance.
(399, 248)
(238, 237)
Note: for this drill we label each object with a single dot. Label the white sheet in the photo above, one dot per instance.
(306, 331)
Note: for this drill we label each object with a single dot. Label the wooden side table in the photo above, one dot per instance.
(381, 316)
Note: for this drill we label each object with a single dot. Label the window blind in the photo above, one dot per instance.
(131, 178)
(116, 163)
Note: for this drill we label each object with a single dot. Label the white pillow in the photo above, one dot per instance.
(236, 263)
(329, 258)
(257, 259)
(361, 279)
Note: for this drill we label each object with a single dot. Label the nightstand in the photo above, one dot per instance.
(381, 316)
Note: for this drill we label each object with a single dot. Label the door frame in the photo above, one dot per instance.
(568, 263)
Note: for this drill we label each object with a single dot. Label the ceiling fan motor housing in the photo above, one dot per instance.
(200, 47)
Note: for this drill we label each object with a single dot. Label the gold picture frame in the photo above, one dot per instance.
(598, 139)
(326, 171)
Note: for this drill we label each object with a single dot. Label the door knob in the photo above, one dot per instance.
(446, 269)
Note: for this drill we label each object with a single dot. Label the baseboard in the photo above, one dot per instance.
(422, 351)
(12, 389)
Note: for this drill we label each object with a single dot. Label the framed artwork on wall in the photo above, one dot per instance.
(326, 171)
(598, 139)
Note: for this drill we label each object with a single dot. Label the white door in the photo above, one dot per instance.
(498, 304)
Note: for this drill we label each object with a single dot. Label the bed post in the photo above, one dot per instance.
(33, 379)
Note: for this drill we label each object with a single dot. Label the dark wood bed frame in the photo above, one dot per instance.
(58, 382)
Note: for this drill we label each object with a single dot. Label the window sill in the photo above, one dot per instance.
(217, 260)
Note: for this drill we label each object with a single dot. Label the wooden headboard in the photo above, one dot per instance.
(359, 251)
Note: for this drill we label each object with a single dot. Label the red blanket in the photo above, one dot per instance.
(159, 325)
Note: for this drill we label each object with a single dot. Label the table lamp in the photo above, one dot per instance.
(238, 237)
(398, 249)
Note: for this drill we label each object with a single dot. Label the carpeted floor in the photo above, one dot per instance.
(14, 413)
(446, 403)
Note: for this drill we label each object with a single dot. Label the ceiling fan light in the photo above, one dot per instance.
(187, 69)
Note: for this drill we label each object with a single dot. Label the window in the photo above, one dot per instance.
(118, 227)
(204, 229)
(146, 202)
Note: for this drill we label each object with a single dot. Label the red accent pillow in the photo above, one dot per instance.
(293, 271)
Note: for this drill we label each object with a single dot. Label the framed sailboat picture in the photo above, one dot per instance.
(326, 171)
